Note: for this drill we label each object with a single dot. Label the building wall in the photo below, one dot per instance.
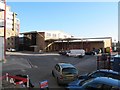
(87, 46)
(56, 35)
(40, 41)
(107, 43)
(2, 5)
(45, 41)
(12, 28)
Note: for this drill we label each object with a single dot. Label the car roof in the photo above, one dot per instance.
(66, 65)
(107, 81)
(108, 71)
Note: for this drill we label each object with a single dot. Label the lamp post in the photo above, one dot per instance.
(5, 31)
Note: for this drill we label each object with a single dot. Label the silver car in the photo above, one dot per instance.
(64, 73)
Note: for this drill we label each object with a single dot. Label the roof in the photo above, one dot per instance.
(66, 65)
(29, 32)
(108, 81)
(108, 71)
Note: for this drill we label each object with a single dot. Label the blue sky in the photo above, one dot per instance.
(80, 19)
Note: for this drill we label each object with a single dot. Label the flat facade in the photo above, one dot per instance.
(49, 42)
(12, 28)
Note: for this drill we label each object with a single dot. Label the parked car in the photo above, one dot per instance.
(98, 83)
(90, 53)
(63, 52)
(76, 53)
(101, 73)
(64, 73)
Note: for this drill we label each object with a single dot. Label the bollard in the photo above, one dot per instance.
(27, 81)
(7, 77)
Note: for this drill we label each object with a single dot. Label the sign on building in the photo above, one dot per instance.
(1, 48)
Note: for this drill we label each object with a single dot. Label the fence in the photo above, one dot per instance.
(16, 80)
(104, 61)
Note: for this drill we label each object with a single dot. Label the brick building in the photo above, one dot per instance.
(57, 40)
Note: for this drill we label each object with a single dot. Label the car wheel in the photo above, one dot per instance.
(58, 82)
(53, 74)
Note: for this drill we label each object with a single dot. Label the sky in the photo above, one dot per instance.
(80, 19)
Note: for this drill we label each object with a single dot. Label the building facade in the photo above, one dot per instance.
(41, 40)
(49, 41)
(12, 28)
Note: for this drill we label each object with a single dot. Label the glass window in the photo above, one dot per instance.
(115, 88)
(11, 38)
(115, 76)
(54, 35)
(8, 38)
(97, 74)
(97, 86)
(49, 34)
(57, 68)
(106, 87)
(69, 71)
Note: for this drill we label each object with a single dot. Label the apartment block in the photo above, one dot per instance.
(12, 28)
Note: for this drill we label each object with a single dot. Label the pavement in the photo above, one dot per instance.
(15, 63)
(12, 63)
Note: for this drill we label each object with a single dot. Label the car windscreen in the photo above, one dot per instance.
(69, 71)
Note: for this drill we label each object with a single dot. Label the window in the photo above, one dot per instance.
(54, 35)
(97, 74)
(11, 38)
(69, 71)
(115, 76)
(8, 38)
(57, 68)
(106, 87)
(48, 34)
(93, 86)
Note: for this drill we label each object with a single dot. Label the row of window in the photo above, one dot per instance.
(10, 38)
(55, 35)
(10, 43)
(49, 35)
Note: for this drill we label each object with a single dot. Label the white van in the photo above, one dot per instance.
(76, 52)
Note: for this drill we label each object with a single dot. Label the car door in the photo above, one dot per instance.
(93, 86)
(57, 71)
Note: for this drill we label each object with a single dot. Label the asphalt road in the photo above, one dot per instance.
(39, 66)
